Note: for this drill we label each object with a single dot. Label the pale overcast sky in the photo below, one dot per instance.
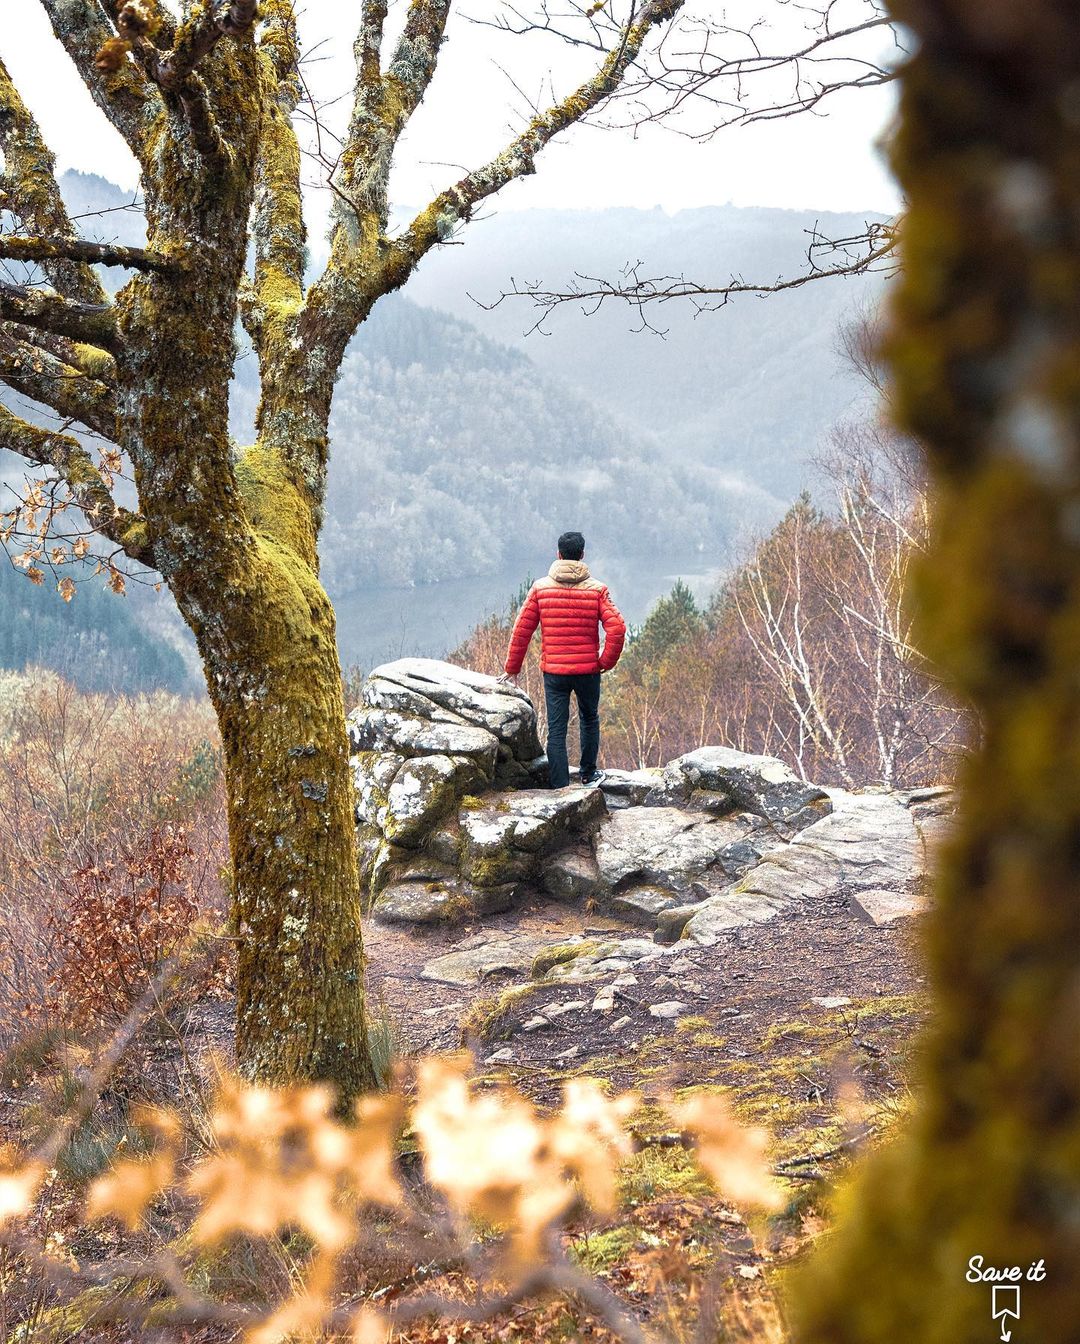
(828, 162)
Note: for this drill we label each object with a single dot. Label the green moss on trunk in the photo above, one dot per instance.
(985, 350)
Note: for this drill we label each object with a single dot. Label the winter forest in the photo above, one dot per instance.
(329, 1010)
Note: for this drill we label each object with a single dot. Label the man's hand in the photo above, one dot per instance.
(508, 680)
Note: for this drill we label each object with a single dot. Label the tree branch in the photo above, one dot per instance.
(456, 204)
(29, 190)
(196, 38)
(91, 360)
(69, 392)
(717, 64)
(367, 49)
(128, 100)
(92, 323)
(413, 65)
(382, 106)
(640, 291)
(15, 247)
(66, 456)
(278, 224)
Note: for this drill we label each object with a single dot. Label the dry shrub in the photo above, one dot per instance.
(119, 919)
(112, 844)
(484, 1216)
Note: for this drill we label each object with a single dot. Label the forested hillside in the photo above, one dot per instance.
(100, 641)
(454, 456)
(751, 390)
(457, 457)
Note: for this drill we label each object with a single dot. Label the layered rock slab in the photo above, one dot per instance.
(451, 823)
(871, 842)
(445, 693)
(476, 862)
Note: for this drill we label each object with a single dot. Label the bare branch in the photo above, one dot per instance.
(873, 251)
(709, 70)
(67, 390)
(29, 190)
(93, 323)
(66, 456)
(41, 250)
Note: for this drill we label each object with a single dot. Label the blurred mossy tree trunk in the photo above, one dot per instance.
(206, 105)
(985, 356)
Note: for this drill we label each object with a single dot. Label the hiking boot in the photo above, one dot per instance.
(593, 777)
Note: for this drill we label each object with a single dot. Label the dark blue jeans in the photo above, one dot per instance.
(557, 689)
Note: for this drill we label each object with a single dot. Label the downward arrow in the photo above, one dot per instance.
(1006, 1335)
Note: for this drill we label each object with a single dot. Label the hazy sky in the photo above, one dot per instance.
(826, 162)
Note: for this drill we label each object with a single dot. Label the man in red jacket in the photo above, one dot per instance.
(569, 606)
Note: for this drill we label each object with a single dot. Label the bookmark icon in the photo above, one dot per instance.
(1005, 1306)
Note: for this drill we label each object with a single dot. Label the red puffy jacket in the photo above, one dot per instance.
(569, 607)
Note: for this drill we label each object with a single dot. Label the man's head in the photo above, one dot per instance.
(571, 546)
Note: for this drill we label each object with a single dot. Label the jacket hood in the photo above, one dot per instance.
(569, 571)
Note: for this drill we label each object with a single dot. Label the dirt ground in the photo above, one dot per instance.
(753, 980)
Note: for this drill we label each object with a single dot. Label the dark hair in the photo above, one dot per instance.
(571, 545)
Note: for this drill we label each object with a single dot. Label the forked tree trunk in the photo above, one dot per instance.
(206, 104)
(235, 538)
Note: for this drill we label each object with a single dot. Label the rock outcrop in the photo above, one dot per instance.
(454, 820)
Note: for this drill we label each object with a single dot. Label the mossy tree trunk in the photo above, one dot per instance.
(985, 353)
(206, 105)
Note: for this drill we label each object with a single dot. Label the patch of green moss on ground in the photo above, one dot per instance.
(560, 955)
(492, 1018)
(701, 1032)
(597, 1251)
(805, 1033)
(655, 1172)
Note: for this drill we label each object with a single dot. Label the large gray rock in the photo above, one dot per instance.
(728, 909)
(668, 847)
(450, 822)
(869, 842)
(436, 901)
(504, 840)
(373, 773)
(759, 784)
(643, 905)
(469, 965)
(572, 875)
(881, 906)
(430, 688)
(627, 788)
(425, 789)
(589, 961)
(386, 730)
